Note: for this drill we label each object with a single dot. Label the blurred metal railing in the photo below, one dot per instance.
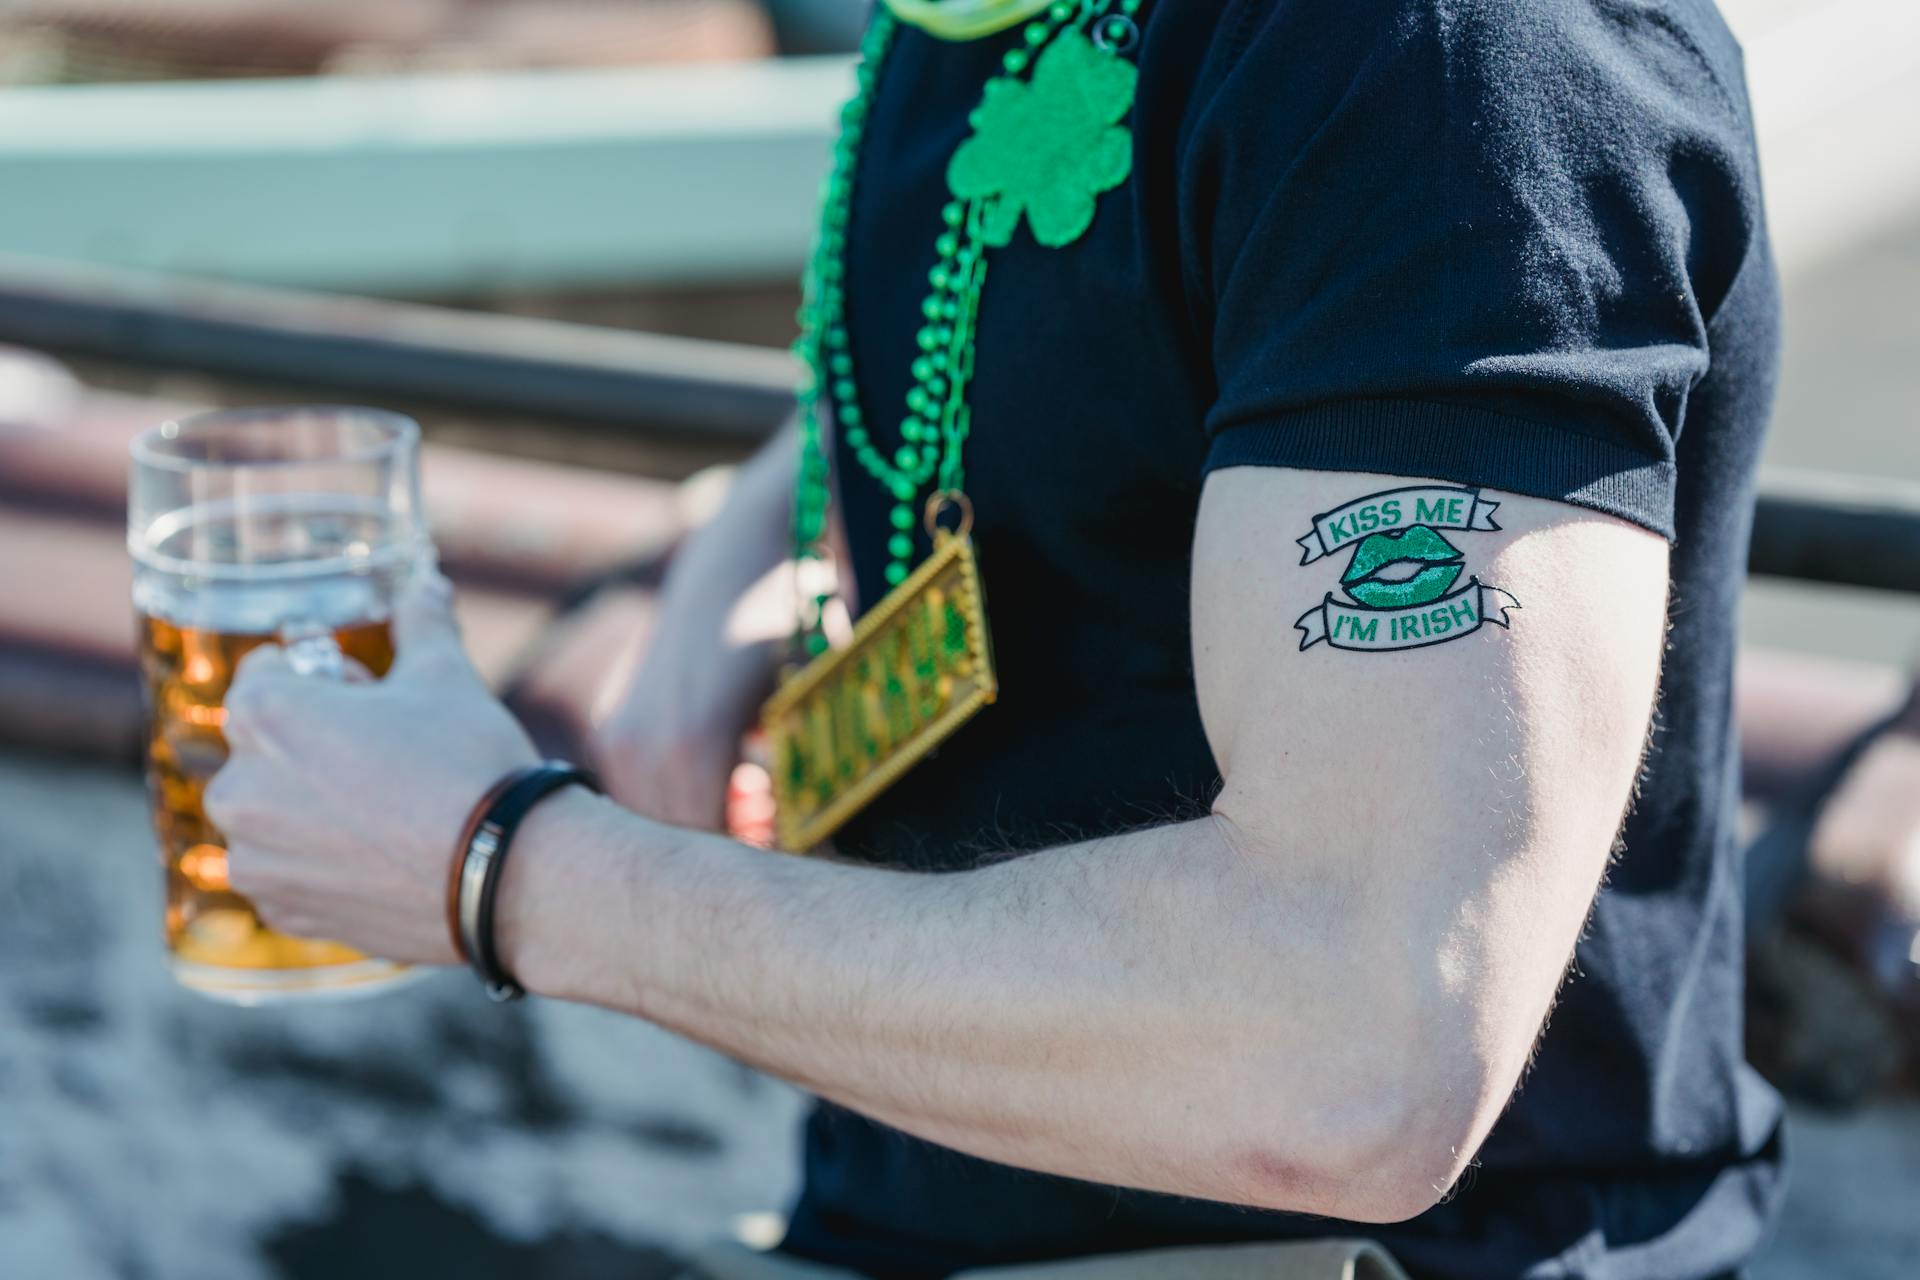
(1845, 530)
(1842, 530)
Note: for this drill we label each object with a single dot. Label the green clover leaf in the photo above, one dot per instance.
(1048, 146)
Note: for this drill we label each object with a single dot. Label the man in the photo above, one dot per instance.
(1356, 442)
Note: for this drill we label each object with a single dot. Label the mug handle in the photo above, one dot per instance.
(312, 651)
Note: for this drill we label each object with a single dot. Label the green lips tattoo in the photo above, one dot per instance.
(1402, 572)
(1426, 563)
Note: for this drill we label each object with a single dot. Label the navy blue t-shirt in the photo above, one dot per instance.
(1512, 243)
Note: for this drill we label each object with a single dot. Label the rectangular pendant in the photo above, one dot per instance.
(843, 727)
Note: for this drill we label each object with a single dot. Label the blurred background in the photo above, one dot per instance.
(564, 234)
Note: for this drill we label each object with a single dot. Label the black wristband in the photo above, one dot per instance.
(485, 855)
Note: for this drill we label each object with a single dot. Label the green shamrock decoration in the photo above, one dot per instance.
(1048, 146)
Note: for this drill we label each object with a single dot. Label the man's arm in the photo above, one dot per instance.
(1317, 999)
(672, 734)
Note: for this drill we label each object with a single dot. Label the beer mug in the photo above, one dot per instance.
(290, 526)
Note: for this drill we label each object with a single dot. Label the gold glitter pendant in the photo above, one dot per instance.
(845, 726)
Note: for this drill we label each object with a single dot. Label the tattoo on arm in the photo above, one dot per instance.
(1399, 581)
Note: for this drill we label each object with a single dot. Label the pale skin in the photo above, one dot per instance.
(1318, 998)
(672, 738)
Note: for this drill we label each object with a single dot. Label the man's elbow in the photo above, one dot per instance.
(1390, 1144)
(1381, 1115)
(1403, 1173)
(1371, 1107)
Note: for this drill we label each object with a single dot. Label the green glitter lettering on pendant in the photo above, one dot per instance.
(953, 637)
(1047, 147)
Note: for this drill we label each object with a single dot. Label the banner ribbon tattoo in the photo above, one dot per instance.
(1435, 506)
(1353, 626)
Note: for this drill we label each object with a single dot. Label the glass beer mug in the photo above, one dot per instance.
(294, 526)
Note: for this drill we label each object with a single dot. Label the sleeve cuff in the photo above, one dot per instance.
(1464, 444)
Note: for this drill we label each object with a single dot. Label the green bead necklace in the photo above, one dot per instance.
(1046, 143)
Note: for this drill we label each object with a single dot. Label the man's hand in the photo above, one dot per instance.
(666, 760)
(341, 801)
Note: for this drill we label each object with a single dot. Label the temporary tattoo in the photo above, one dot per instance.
(1400, 578)
(1435, 506)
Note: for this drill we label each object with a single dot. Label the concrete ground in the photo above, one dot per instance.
(147, 1133)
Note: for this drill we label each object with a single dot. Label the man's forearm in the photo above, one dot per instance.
(1160, 1009)
(750, 535)
(666, 742)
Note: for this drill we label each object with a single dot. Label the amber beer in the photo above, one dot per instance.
(294, 527)
(186, 670)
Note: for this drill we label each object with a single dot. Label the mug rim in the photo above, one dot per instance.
(401, 432)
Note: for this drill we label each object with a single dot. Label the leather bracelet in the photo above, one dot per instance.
(457, 865)
(486, 839)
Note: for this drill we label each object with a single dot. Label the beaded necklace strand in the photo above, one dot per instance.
(933, 431)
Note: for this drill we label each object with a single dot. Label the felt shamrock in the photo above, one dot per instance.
(1049, 146)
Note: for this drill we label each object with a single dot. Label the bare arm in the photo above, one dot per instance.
(1317, 999)
(673, 732)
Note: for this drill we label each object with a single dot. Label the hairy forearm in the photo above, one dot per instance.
(1162, 1009)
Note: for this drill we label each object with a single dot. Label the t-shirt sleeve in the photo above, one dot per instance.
(1479, 241)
